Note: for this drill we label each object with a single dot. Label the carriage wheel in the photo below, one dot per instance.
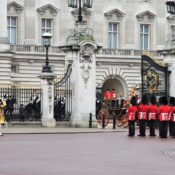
(125, 120)
(100, 117)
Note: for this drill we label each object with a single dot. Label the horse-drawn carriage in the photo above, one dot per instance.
(110, 110)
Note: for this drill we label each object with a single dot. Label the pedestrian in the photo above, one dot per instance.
(163, 113)
(171, 104)
(142, 115)
(2, 117)
(152, 115)
(172, 117)
(131, 112)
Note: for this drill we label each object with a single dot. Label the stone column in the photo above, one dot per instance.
(47, 100)
(83, 81)
(4, 46)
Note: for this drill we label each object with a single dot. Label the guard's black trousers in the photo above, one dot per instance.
(152, 124)
(163, 129)
(173, 129)
(142, 127)
(131, 127)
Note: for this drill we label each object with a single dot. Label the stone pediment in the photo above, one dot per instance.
(13, 6)
(48, 8)
(146, 16)
(114, 13)
(86, 11)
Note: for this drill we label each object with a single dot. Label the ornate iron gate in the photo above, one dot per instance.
(155, 76)
(63, 97)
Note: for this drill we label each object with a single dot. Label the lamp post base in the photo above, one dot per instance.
(46, 69)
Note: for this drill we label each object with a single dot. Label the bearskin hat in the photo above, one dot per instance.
(153, 100)
(133, 101)
(164, 100)
(144, 100)
(172, 101)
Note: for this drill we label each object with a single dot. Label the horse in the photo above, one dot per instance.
(33, 109)
(10, 101)
(99, 102)
(59, 108)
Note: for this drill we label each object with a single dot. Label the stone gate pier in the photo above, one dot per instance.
(81, 53)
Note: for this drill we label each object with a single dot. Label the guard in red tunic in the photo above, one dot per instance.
(172, 117)
(163, 112)
(107, 95)
(171, 104)
(131, 111)
(142, 115)
(152, 115)
(113, 94)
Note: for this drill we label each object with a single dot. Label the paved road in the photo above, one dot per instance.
(111, 153)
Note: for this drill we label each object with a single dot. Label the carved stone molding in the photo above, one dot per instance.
(48, 8)
(85, 73)
(86, 53)
(14, 7)
(85, 11)
(146, 16)
(115, 13)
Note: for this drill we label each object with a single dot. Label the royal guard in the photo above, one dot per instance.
(107, 95)
(171, 104)
(172, 117)
(131, 112)
(164, 112)
(152, 115)
(142, 115)
(113, 94)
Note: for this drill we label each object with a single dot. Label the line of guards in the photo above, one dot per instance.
(164, 113)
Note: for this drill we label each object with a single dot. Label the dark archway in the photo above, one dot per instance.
(117, 84)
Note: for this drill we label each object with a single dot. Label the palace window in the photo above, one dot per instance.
(15, 68)
(144, 36)
(173, 32)
(12, 29)
(113, 35)
(47, 26)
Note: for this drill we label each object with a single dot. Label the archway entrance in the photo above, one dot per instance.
(117, 84)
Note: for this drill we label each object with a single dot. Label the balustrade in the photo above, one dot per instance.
(104, 51)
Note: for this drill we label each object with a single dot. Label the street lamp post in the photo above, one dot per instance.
(171, 6)
(80, 4)
(47, 42)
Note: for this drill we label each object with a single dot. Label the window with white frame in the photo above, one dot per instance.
(113, 35)
(12, 29)
(144, 36)
(47, 26)
(173, 32)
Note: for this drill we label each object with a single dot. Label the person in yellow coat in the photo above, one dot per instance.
(2, 117)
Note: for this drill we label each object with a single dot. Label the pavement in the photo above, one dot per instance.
(57, 130)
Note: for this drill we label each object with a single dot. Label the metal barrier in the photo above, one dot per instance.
(22, 103)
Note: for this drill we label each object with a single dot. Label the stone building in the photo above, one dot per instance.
(124, 28)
